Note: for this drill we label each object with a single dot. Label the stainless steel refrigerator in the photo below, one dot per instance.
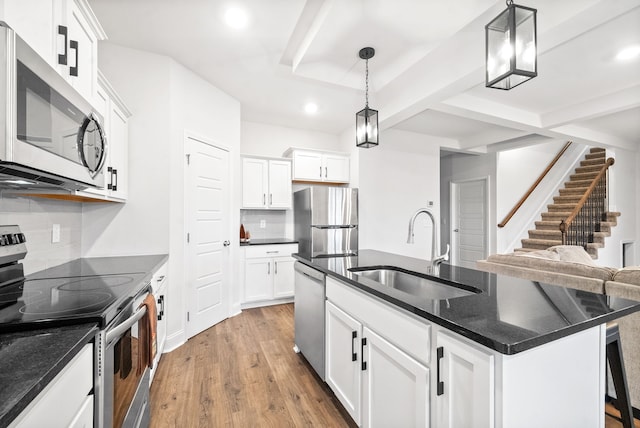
(326, 221)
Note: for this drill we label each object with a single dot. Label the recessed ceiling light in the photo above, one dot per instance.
(311, 108)
(628, 53)
(236, 18)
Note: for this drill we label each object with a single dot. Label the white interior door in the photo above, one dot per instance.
(207, 219)
(468, 222)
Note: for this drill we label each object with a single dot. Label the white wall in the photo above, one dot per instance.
(200, 109)
(623, 184)
(141, 225)
(36, 217)
(270, 140)
(395, 179)
(166, 100)
(463, 167)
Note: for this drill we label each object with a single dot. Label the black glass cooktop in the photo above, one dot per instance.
(35, 303)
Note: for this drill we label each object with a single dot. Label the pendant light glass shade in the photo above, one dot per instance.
(511, 47)
(367, 128)
(367, 118)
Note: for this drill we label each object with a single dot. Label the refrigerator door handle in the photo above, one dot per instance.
(336, 226)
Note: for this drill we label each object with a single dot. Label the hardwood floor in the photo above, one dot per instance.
(612, 418)
(243, 373)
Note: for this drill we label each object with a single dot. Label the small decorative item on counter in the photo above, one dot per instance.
(247, 236)
(243, 235)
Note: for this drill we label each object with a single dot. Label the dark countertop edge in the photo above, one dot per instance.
(506, 349)
(275, 241)
(55, 369)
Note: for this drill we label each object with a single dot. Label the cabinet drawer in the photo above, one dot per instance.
(259, 251)
(159, 277)
(61, 401)
(400, 328)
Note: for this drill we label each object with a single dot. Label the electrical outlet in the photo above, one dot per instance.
(263, 224)
(55, 233)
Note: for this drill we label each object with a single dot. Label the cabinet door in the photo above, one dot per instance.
(395, 387)
(82, 71)
(343, 358)
(35, 22)
(280, 184)
(118, 134)
(283, 277)
(257, 279)
(466, 395)
(307, 166)
(254, 183)
(336, 168)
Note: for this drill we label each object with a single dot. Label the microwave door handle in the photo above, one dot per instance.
(125, 325)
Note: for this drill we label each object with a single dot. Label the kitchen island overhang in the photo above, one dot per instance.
(506, 314)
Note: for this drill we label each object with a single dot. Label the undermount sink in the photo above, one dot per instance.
(411, 284)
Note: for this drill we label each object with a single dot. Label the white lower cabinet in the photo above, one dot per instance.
(67, 400)
(160, 289)
(268, 273)
(464, 386)
(389, 367)
(343, 358)
(377, 382)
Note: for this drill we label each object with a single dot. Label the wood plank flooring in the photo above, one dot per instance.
(244, 373)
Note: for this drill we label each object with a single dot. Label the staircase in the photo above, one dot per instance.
(547, 232)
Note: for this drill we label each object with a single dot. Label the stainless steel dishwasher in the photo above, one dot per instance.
(309, 315)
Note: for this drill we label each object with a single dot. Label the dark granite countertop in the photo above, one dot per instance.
(507, 314)
(104, 266)
(269, 241)
(29, 360)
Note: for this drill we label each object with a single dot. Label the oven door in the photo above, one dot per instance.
(125, 392)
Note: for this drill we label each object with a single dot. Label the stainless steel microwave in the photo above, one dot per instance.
(50, 136)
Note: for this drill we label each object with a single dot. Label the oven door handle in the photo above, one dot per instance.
(125, 325)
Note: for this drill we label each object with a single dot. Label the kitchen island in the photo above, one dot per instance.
(508, 352)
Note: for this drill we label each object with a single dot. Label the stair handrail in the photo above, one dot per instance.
(528, 193)
(566, 223)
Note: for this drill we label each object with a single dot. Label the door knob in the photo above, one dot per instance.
(456, 230)
(226, 243)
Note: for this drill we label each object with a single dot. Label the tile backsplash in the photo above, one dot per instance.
(277, 223)
(36, 218)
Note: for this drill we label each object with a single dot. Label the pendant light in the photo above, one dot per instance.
(367, 119)
(511, 47)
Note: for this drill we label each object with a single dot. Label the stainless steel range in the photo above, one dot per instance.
(83, 292)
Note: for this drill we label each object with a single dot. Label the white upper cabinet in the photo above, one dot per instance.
(266, 183)
(317, 166)
(64, 32)
(116, 127)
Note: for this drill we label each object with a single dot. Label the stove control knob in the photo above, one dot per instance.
(23, 238)
(8, 238)
(3, 240)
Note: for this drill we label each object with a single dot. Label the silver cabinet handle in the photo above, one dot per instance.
(161, 278)
(226, 243)
(320, 172)
(270, 198)
(325, 172)
(275, 264)
(273, 252)
(264, 199)
(269, 268)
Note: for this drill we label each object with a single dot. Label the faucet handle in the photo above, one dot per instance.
(446, 254)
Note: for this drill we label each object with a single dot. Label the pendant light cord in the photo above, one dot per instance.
(366, 79)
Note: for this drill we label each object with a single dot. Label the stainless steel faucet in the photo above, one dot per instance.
(435, 240)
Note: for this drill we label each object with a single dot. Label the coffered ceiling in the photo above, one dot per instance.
(428, 72)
